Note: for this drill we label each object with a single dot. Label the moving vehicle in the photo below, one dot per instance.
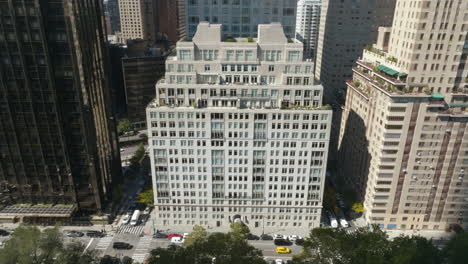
(344, 223)
(250, 236)
(121, 245)
(93, 233)
(266, 237)
(333, 222)
(135, 218)
(126, 219)
(159, 235)
(170, 236)
(282, 250)
(177, 240)
(73, 233)
(282, 242)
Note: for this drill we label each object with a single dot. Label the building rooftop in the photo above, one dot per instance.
(45, 210)
(267, 33)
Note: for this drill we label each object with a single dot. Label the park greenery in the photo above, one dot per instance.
(30, 245)
(202, 247)
(366, 246)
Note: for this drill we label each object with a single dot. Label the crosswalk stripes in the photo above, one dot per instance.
(104, 243)
(141, 250)
(128, 229)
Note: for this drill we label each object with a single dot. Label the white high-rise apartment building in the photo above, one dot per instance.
(138, 19)
(403, 140)
(240, 18)
(307, 25)
(238, 131)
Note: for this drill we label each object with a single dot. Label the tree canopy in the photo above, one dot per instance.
(327, 245)
(147, 198)
(456, 250)
(203, 248)
(124, 126)
(29, 245)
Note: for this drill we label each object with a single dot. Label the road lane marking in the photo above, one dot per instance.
(89, 244)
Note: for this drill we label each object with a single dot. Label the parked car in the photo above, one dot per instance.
(147, 210)
(266, 237)
(93, 233)
(126, 219)
(282, 242)
(159, 235)
(250, 236)
(3, 232)
(73, 233)
(177, 240)
(170, 236)
(278, 236)
(299, 241)
(344, 223)
(172, 246)
(121, 245)
(282, 250)
(279, 261)
(293, 238)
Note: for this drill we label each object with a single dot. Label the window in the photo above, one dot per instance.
(249, 55)
(271, 68)
(207, 67)
(294, 56)
(230, 55)
(185, 54)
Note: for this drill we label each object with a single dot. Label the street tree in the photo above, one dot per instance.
(414, 250)
(365, 246)
(456, 251)
(239, 230)
(218, 248)
(198, 234)
(28, 245)
(358, 207)
(147, 198)
(124, 126)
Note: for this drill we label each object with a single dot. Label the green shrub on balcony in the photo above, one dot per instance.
(392, 59)
(250, 39)
(230, 39)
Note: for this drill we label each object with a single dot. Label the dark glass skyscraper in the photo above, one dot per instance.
(57, 134)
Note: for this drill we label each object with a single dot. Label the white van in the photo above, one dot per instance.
(344, 223)
(135, 217)
(333, 222)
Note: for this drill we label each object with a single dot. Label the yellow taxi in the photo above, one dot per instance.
(283, 250)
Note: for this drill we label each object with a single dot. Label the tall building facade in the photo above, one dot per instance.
(138, 19)
(171, 19)
(307, 25)
(112, 10)
(57, 135)
(403, 142)
(143, 65)
(238, 131)
(240, 18)
(346, 27)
